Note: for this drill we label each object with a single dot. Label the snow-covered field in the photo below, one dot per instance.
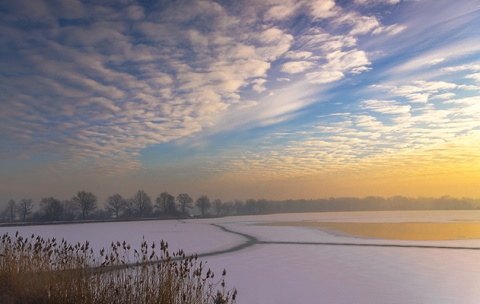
(301, 265)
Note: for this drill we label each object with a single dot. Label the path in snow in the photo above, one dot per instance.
(251, 241)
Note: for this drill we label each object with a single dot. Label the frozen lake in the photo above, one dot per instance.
(305, 264)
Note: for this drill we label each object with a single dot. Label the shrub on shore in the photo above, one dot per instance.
(35, 270)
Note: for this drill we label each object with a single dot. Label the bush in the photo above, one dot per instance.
(35, 270)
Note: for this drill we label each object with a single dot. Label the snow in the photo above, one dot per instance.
(308, 273)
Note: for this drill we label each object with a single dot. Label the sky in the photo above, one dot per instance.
(271, 99)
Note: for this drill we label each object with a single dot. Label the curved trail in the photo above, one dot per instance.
(252, 241)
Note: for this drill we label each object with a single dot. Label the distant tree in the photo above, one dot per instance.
(115, 204)
(228, 207)
(371, 203)
(218, 206)
(52, 208)
(4, 215)
(251, 206)
(263, 206)
(101, 214)
(24, 208)
(129, 210)
(86, 201)
(141, 204)
(184, 202)
(203, 202)
(238, 204)
(70, 210)
(399, 202)
(166, 203)
(449, 203)
(10, 210)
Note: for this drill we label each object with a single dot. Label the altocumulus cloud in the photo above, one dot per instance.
(425, 106)
(90, 85)
(95, 83)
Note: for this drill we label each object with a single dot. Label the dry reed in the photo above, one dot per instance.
(37, 270)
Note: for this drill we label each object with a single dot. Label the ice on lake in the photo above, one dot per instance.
(302, 264)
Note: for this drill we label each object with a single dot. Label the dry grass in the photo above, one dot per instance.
(419, 231)
(35, 270)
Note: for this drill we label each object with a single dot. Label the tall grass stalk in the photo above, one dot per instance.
(37, 270)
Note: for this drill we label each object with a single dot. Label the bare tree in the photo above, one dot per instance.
(115, 204)
(217, 205)
(228, 207)
(70, 209)
(129, 210)
(52, 208)
(166, 203)
(86, 201)
(203, 202)
(263, 206)
(4, 215)
(141, 203)
(24, 208)
(10, 210)
(184, 202)
(238, 204)
(251, 206)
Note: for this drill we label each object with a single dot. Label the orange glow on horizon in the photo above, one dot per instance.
(416, 231)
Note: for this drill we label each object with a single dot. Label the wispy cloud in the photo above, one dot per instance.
(90, 86)
(126, 77)
(419, 122)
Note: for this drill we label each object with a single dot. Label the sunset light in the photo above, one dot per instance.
(240, 99)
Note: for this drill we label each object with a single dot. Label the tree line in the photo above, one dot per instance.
(84, 206)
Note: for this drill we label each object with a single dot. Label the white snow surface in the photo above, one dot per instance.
(307, 273)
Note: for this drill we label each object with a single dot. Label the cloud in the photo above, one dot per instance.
(294, 67)
(444, 96)
(442, 54)
(392, 30)
(275, 43)
(369, 123)
(25, 11)
(319, 40)
(325, 76)
(367, 2)
(347, 61)
(363, 25)
(96, 84)
(322, 8)
(418, 123)
(258, 85)
(298, 55)
(386, 107)
(280, 11)
(420, 91)
(278, 106)
(475, 77)
(135, 12)
(418, 98)
(464, 67)
(348, 143)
